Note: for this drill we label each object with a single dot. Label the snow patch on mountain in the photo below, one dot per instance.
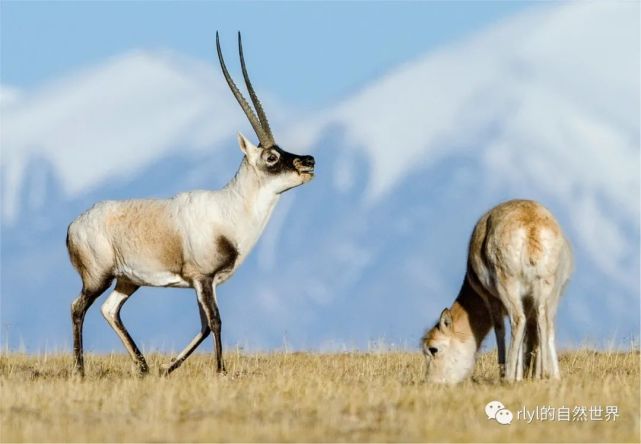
(110, 120)
(551, 73)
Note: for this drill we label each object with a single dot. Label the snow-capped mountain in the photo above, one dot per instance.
(543, 106)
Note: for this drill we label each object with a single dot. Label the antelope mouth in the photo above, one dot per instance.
(305, 167)
(306, 171)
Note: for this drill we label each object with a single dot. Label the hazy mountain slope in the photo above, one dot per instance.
(550, 99)
(544, 106)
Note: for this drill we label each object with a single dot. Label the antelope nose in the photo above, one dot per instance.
(307, 161)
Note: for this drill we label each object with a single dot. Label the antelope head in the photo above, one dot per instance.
(448, 359)
(276, 168)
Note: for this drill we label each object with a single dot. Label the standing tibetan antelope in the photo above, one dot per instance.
(195, 239)
(518, 263)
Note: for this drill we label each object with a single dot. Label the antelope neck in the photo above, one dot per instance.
(470, 316)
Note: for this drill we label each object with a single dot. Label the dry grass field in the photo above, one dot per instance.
(306, 397)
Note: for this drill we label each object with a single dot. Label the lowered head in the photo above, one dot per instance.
(449, 356)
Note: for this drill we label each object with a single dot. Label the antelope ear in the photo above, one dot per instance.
(249, 149)
(445, 321)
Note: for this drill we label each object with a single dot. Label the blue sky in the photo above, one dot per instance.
(411, 109)
(44, 40)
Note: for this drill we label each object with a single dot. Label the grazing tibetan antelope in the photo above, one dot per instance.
(518, 264)
(195, 239)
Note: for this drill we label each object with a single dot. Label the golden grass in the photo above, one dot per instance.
(305, 397)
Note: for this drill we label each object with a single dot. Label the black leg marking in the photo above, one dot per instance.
(207, 301)
(143, 368)
(198, 339)
(79, 309)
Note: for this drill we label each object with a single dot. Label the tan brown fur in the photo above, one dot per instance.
(92, 276)
(469, 319)
(469, 315)
(506, 219)
(143, 229)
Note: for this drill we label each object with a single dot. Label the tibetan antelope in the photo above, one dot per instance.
(518, 264)
(196, 239)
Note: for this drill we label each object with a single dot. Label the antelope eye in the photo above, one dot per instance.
(272, 158)
(433, 350)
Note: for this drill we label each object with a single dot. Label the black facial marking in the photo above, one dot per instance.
(285, 162)
(307, 161)
(272, 158)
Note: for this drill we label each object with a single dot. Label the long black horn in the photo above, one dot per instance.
(252, 94)
(255, 122)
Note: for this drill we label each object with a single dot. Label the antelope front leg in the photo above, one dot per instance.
(206, 292)
(497, 313)
(198, 339)
(499, 331)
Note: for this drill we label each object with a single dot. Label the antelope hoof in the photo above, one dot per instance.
(143, 371)
(508, 380)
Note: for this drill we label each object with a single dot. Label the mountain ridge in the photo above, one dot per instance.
(374, 247)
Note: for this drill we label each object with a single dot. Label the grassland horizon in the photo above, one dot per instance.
(310, 396)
